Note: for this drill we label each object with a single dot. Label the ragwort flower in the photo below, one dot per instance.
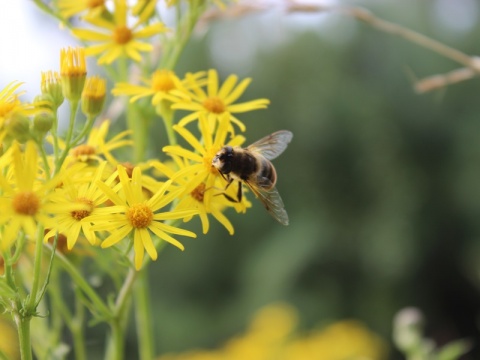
(117, 38)
(98, 147)
(84, 194)
(202, 183)
(25, 203)
(160, 86)
(216, 101)
(91, 8)
(134, 215)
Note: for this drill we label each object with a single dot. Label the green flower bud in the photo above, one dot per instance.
(42, 122)
(93, 96)
(73, 72)
(44, 101)
(52, 85)
(18, 127)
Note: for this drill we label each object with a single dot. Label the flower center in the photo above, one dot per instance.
(207, 160)
(92, 4)
(140, 216)
(198, 192)
(162, 81)
(122, 35)
(214, 105)
(83, 150)
(26, 203)
(80, 214)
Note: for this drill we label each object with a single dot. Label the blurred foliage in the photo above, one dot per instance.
(381, 185)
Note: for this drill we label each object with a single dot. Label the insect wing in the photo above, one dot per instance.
(271, 199)
(272, 145)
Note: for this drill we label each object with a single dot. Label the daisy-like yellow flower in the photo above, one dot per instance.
(25, 201)
(82, 193)
(97, 147)
(91, 8)
(12, 108)
(196, 199)
(216, 100)
(160, 86)
(198, 177)
(117, 38)
(132, 214)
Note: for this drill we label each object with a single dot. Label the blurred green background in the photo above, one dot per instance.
(382, 185)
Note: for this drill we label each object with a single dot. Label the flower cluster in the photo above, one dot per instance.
(80, 190)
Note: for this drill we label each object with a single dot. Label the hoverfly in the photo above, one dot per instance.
(252, 166)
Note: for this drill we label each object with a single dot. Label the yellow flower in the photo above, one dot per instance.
(271, 336)
(132, 214)
(160, 87)
(76, 200)
(24, 204)
(195, 199)
(216, 101)
(97, 147)
(12, 109)
(199, 168)
(118, 39)
(203, 185)
(92, 8)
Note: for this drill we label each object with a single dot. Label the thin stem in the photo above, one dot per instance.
(166, 113)
(143, 316)
(37, 267)
(86, 129)
(44, 157)
(68, 137)
(367, 17)
(77, 328)
(79, 280)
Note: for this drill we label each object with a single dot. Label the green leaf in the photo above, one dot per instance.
(454, 350)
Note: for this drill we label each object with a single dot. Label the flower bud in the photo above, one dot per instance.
(52, 85)
(73, 72)
(44, 101)
(18, 127)
(43, 121)
(93, 96)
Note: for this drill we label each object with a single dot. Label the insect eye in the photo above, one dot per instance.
(228, 152)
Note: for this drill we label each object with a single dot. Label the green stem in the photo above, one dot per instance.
(115, 349)
(68, 137)
(116, 340)
(137, 124)
(77, 328)
(23, 327)
(166, 113)
(183, 34)
(77, 277)
(86, 129)
(37, 267)
(143, 316)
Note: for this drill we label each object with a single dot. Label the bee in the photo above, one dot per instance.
(252, 166)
